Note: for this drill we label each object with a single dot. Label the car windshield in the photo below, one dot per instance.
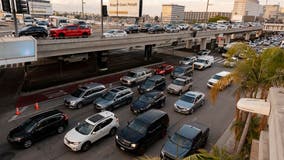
(201, 60)
(84, 128)
(181, 140)
(131, 74)
(188, 98)
(111, 31)
(109, 96)
(25, 28)
(178, 82)
(187, 59)
(77, 93)
(178, 70)
(147, 25)
(217, 77)
(145, 98)
(148, 83)
(28, 125)
(138, 126)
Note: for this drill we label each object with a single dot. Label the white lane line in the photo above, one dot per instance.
(15, 116)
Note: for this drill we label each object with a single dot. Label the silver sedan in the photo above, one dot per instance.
(189, 102)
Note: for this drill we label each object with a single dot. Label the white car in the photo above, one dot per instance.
(92, 129)
(115, 33)
(215, 78)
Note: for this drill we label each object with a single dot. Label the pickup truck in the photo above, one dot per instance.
(136, 76)
(185, 141)
(71, 31)
(203, 62)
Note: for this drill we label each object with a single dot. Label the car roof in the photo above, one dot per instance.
(184, 66)
(151, 115)
(189, 131)
(183, 78)
(91, 85)
(192, 93)
(156, 77)
(45, 115)
(140, 70)
(119, 89)
(223, 73)
(152, 93)
(99, 117)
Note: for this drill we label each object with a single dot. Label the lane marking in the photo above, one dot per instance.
(15, 116)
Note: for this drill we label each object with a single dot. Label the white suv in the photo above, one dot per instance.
(92, 129)
(215, 78)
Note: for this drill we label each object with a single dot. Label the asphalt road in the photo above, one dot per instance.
(217, 117)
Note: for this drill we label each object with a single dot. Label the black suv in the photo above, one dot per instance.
(131, 29)
(37, 128)
(188, 139)
(156, 29)
(156, 82)
(35, 31)
(114, 98)
(180, 71)
(142, 131)
(154, 99)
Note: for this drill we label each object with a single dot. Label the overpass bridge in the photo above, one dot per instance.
(62, 47)
(273, 27)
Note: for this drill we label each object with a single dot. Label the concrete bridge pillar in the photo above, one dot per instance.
(203, 43)
(189, 44)
(227, 39)
(148, 52)
(258, 34)
(247, 36)
(102, 60)
(233, 36)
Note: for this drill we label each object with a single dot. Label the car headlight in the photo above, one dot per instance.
(133, 145)
(73, 103)
(162, 153)
(116, 137)
(76, 143)
(175, 105)
(18, 139)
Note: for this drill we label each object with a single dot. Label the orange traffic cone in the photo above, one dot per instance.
(18, 111)
(36, 106)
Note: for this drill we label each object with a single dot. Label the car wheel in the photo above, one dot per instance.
(112, 132)
(110, 108)
(28, 144)
(202, 102)
(191, 111)
(129, 100)
(44, 35)
(61, 35)
(164, 133)
(60, 129)
(180, 93)
(79, 105)
(163, 104)
(85, 35)
(86, 146)
(142, 149)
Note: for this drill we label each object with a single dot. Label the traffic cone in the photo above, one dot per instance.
(36, 106)
(18, 111)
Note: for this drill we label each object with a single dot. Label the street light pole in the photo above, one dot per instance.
(207, 5)
(15, 18)
(83, 15)
(102, 20)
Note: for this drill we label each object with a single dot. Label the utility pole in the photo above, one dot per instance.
(83, 15)
(15, 18)
(102, 20)
(207, 5)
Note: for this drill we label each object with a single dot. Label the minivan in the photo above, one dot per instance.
(156, 82)
(143, 131)
(37, 128)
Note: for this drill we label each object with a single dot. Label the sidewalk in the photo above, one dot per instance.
(227, 140)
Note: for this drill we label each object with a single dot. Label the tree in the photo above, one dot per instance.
(253, 77)
(217, 18)
(156, 18)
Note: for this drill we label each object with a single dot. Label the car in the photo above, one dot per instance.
(183, 26)
(172, 29)
(156, 29)
(154, 99)
(212, 27)
(114, 98)
(231, 62)
(115, 33)
(203, 62)
(188, 60)
(204, 52)
(156, 82)
(131, 29)
(164, 69)
(222, 27)
(184, 70)
(189, 102)
(91, 130)
(136, 76)
(35, 31)
(180, 85)
(43, 24)
(84, 95)
(215, 78)
(146, 27)
(37, 128)
(142, 131)
(71, 30)
(185, 141)
(197, 28)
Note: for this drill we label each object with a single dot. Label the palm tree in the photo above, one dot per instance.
(253, 76)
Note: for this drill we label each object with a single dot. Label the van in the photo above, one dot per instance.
(143, 131)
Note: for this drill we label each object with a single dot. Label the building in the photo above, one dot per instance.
(246, 11)
(5, 6)
(197, 17)
(172, 13)
(40, 8)
(271, 11)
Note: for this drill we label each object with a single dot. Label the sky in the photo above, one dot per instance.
(154, 7)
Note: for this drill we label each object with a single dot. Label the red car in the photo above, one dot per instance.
(71, 31)
(164, 69)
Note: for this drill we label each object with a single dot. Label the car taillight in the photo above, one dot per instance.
(65, 116)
